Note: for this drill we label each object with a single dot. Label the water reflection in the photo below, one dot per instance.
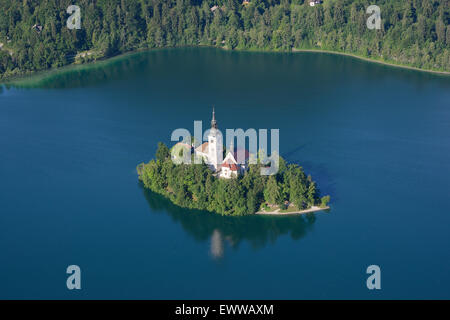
(88, 75)
(219, 231)
(217, 244)
(215, 68)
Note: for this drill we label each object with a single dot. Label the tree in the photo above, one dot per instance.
(447, 41)
(232, 39)
(311, 194)
(252, 201)
(297, 194)
(440, 31)
(409, 16)
(162, 153)
(272, 191)
(324, 201)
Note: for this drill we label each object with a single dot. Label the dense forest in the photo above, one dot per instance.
(194, 186)
(34, 35)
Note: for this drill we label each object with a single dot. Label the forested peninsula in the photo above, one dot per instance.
(34, 35)
(195, 186)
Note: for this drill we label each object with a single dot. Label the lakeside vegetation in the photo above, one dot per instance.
(194, 186)
(413, 33)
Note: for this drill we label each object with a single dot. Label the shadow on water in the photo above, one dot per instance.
(258, 231)
(215, 65)
(87, 75)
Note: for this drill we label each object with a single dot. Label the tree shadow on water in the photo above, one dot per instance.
(258, 231)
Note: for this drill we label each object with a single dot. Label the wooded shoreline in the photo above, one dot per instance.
(412, 34)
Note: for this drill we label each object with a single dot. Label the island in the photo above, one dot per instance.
(223, 185)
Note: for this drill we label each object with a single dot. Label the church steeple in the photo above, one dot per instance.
(215, 144)
(213, 121)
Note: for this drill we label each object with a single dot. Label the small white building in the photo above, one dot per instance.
(312, 3)
(234, 164)
(228, 170)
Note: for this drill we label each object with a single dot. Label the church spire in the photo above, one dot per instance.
(213, 121)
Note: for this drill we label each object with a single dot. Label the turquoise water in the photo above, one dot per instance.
(376, 138)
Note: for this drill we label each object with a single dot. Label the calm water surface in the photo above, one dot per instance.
(376, 138)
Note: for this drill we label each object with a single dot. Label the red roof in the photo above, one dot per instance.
(232, 166)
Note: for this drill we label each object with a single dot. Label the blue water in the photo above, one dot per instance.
(376, 138)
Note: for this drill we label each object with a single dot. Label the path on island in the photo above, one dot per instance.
(277, 211)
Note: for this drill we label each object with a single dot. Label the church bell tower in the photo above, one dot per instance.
(215, 144)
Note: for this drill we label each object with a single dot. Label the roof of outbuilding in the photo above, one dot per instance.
(232, 166)
(203, 148)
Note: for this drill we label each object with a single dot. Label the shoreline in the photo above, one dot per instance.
(294, 50)
(42, 74)
(278, 213)
(28, 76)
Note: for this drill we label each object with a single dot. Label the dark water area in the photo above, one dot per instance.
(376, 138)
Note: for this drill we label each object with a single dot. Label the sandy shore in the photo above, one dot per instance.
(278, 213)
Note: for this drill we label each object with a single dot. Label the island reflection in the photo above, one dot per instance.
(258, 231)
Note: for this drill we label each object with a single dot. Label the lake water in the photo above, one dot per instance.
(376, 138)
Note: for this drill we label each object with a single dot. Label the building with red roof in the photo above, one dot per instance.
(235, 162)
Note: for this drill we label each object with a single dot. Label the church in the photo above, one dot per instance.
(212, 154)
